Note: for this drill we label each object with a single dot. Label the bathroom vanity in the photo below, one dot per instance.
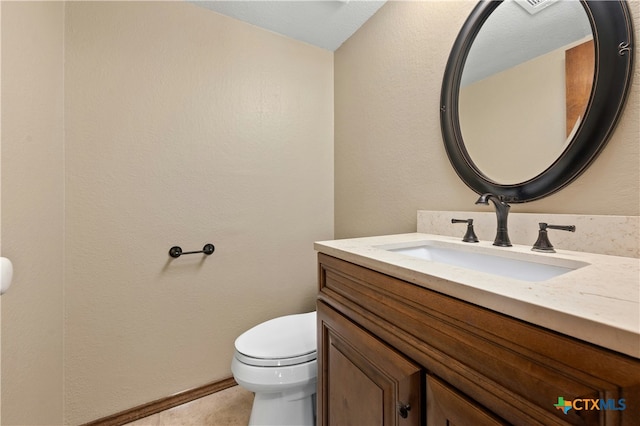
(424, 329)
(403, 340)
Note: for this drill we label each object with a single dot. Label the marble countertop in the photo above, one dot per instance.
(598, 303)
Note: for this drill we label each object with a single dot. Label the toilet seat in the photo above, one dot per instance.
(287, 340)
(275, 362)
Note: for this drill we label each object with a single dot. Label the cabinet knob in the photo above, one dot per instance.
(403, 410)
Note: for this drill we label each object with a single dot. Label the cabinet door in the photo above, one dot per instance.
(362, 381)
(446, 407)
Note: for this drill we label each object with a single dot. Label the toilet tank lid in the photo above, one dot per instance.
(283, 337)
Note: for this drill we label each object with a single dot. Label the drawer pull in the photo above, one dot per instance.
(403, 410)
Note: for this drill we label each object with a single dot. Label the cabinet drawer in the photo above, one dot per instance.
(446, 407)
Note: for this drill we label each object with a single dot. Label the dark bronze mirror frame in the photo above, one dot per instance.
(613, 38)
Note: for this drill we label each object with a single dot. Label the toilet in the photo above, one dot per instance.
(277, 361)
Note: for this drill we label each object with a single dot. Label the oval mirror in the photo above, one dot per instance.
(531, 94)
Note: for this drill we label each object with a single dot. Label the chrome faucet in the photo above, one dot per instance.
(502, 212)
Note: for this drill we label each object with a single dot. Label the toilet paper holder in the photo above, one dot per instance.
(176, 251)
(6, 274)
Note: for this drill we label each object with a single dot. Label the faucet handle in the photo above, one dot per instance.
(470, 236)
(543, 244)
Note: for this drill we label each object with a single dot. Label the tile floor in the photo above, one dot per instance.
(230, 407)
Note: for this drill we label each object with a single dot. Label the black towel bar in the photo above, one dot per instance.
(176, 251)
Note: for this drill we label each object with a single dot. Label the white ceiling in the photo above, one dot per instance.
(323, 23)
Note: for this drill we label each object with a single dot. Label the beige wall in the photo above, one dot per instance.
(0, 208)
(390, 160)
(32, 211)
(185, 127)
(181, 127)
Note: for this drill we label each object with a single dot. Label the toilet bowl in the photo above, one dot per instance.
(277, 361)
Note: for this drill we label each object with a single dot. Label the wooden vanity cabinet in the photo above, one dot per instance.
(365, 382)
(394, 353)
(446, 407)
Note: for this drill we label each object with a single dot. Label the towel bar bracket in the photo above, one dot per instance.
(176, 251)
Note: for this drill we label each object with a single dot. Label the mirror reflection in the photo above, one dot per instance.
(525, 87)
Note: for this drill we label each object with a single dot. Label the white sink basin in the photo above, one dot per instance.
(518, 265)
